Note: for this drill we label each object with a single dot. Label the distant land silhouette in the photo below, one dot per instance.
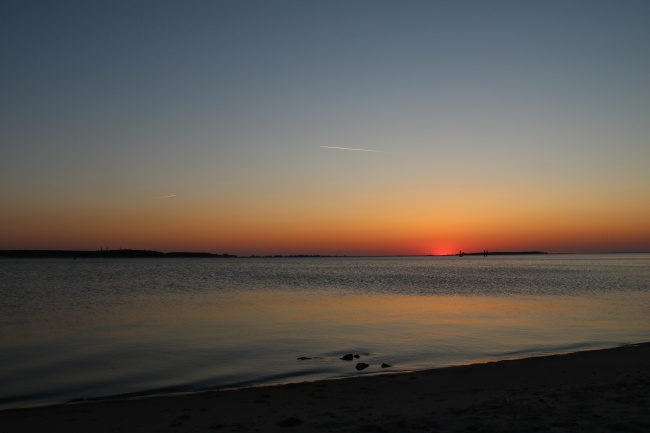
(129, 253)
(121, 253)
(499, 253)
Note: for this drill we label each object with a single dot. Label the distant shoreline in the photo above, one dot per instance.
(121, 253)
(130, 253)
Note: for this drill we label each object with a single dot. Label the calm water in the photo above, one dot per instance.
(92, 328)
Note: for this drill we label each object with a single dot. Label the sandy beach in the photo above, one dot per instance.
(597, 391)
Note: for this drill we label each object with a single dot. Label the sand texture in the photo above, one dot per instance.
(593, 391)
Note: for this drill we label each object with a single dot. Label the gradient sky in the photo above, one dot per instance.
(217, 126)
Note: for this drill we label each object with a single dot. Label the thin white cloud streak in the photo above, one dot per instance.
(164, 196)
(351, 148)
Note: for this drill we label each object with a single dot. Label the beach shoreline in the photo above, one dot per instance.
(596, 390)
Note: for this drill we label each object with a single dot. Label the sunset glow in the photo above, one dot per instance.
(358, 128)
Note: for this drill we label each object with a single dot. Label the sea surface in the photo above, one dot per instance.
(92, 328)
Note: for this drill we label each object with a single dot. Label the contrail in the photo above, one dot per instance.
(350, 148)
(164, 196)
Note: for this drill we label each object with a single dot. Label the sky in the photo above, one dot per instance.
(325, 127)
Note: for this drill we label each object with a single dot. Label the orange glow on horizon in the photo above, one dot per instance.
(443, 250)
(381, 230)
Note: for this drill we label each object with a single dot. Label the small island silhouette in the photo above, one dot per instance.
(486, 253)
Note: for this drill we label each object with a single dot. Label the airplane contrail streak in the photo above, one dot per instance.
(351, 148)
(165, 196)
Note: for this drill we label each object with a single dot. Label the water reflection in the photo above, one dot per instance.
(63, 338)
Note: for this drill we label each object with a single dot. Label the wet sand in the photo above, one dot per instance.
(595, 391)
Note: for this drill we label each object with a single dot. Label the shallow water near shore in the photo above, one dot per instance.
(74, 329)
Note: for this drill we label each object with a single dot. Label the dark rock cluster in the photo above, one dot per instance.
(349, 357)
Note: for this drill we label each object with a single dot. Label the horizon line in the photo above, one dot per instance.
(6, 252)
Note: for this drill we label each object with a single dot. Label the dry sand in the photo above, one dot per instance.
(593, 391)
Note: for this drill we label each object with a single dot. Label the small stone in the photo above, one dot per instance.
(384, 365)
(356, 356)
(347, 357)
(362, 366)
(303, 358)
